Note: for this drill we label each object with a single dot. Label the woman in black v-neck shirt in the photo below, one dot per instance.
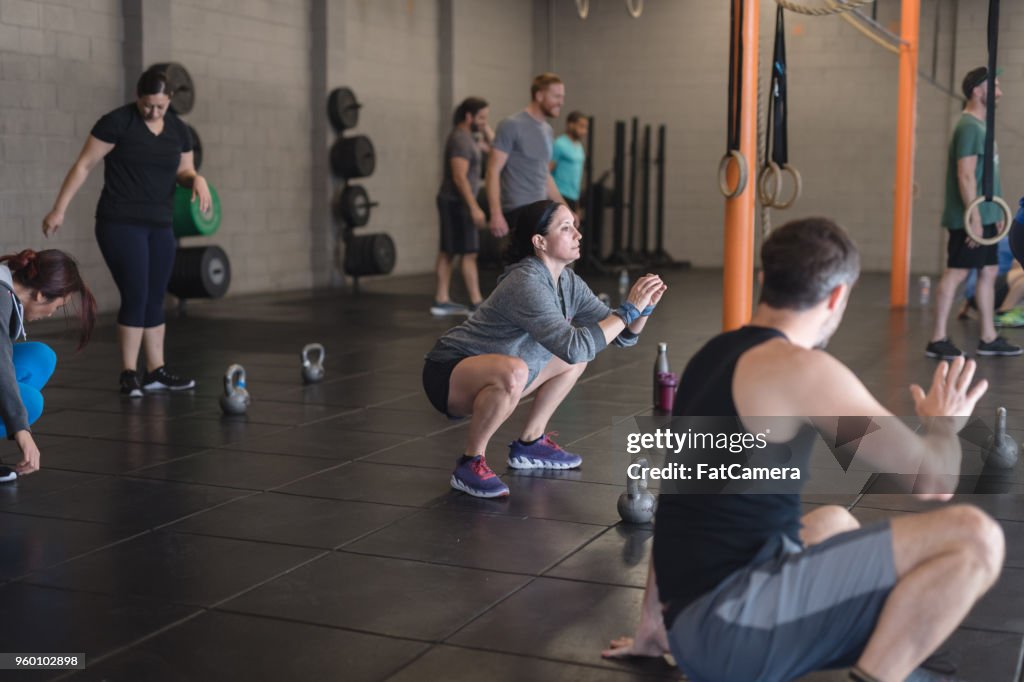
(146, 150)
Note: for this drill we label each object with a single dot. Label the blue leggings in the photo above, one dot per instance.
(140, 258)
(34, 363)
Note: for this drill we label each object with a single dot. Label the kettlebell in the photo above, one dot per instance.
(235, 399)
(636, 505)
(313, 370)
(1001, 449)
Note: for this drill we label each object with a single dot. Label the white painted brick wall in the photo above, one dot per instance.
(251, 72)
(60, 70)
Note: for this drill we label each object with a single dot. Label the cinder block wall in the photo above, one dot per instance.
(493, 53)
(389, 57)
(251, 63)
(61, 67)
(60, 70)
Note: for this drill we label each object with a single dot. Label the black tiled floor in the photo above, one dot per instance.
(319, 441)
(64, 621)
(236, 469)
(456, 664)
(498, 543)
(178, 568)
(223, 646)
(376, 483)
(587, 617)
(618, 556)
(377, 595)
(293, 520)
(360, 563)
(128, 504)
(104, 456)
(31, 543)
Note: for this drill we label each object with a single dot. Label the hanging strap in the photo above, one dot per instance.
(988, 166)
(735, 75)
(778, 119)
(776, 134)
(732, 145)
(988, 175)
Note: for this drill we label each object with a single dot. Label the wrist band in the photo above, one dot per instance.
(628, 312)
(646, 312)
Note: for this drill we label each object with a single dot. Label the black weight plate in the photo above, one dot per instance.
(200, 272)
(352, 206)
(353, 157)
(179, 82)
(371, 254)
(342, 109)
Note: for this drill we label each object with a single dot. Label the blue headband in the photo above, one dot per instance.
(545, 217)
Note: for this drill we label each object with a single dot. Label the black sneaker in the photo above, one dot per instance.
(7, 474)
(999, 346)
(130, 385)
(162, 380)
(943, 348)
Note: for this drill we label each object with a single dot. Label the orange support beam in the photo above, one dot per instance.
(738, 284)
(899, 284)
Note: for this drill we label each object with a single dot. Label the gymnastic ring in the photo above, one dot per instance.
(1007, 220)
(771, 171)
(798, 186)
(723, 178)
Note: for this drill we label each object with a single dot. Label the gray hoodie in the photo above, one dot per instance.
(526, 317)
(12, 410)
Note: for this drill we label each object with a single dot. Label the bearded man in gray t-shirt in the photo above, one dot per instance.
(518, 170)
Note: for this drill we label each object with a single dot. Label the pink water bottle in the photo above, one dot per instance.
(660, 367)
(667, 382)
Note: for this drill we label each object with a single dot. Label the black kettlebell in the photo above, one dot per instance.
(637, 504)
(1001, 449)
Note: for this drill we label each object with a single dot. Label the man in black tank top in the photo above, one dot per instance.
(742, 588)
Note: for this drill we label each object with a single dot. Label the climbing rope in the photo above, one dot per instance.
(833, 8)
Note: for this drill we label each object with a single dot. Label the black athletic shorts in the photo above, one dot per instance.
(458, 233)
(961, 256)
(573, 204)
(436, 378)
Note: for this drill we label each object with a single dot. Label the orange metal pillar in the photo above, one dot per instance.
(899, 283)
(738, 285)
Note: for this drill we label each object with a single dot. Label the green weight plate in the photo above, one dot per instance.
(189, 221)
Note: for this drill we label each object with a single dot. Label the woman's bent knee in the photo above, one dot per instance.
(514, 375)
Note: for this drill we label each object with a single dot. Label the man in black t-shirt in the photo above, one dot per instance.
(146, 151)
(741, 587)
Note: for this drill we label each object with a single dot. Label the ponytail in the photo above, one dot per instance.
(55, 274)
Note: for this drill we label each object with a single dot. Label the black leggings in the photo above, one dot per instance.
(140, 258)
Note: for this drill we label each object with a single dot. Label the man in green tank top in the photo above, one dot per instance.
(964, 168)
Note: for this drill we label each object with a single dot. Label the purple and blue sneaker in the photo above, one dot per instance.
(474, 477)
(543, 453)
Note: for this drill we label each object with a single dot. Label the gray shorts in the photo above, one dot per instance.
(791, 611)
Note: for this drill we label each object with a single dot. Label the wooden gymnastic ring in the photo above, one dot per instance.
(770, 172)
(798, 186)
(723, 177)
(1007, 220)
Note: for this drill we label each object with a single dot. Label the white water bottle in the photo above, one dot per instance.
(623, 285)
